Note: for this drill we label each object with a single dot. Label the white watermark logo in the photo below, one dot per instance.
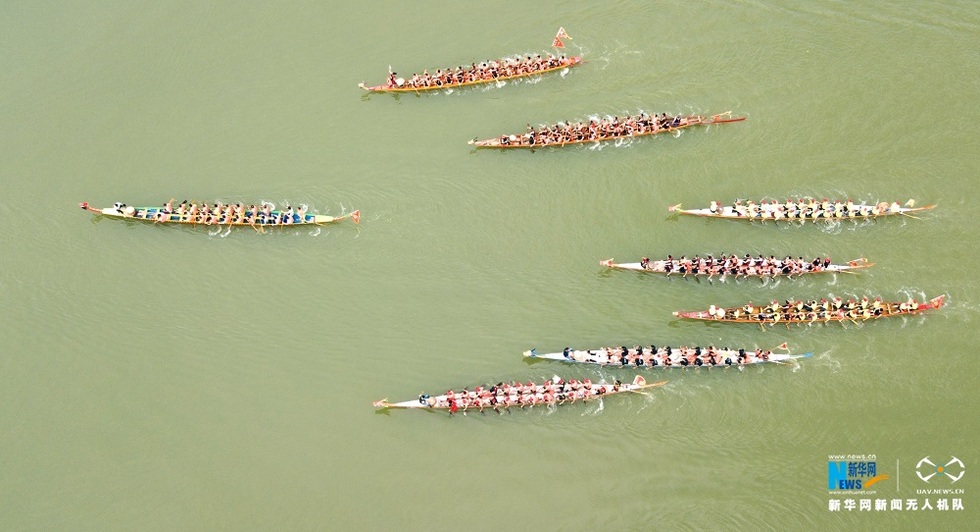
(926, 470)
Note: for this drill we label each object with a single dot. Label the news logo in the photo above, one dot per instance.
(853, 475)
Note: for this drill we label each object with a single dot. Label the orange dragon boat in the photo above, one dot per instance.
(486, 72)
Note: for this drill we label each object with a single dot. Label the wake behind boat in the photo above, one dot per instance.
(553, 392)
(257, 216)
(747, 266)
(813, 311)
(803, 210)
(668, 357)
(600, 130)
(491, 71)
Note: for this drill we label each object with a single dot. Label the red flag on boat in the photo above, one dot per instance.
(561, 33)
(783, 345)
(557, 43)
(356, 216)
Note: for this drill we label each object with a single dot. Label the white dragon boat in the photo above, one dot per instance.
(753, 267)
(259, 216)
(803, 210)
(668, 357)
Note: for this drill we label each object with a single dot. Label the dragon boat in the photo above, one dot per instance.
(552, 392)
(469, 76)
(803, 210)
(238, 215)
(567, 134)
(667, 357)
(747, 267)
(812, 311)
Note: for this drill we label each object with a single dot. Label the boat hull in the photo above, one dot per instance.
(729, 213)
(568, 63)
(601, 357)
(442, 402)
(156, 215)
(659, 266)
(688, 121)
(760, 316)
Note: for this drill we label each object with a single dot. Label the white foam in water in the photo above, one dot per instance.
(597, 411)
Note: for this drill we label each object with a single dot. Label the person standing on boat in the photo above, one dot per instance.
(453, 406)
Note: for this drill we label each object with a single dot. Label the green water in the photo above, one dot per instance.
(171, 378)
